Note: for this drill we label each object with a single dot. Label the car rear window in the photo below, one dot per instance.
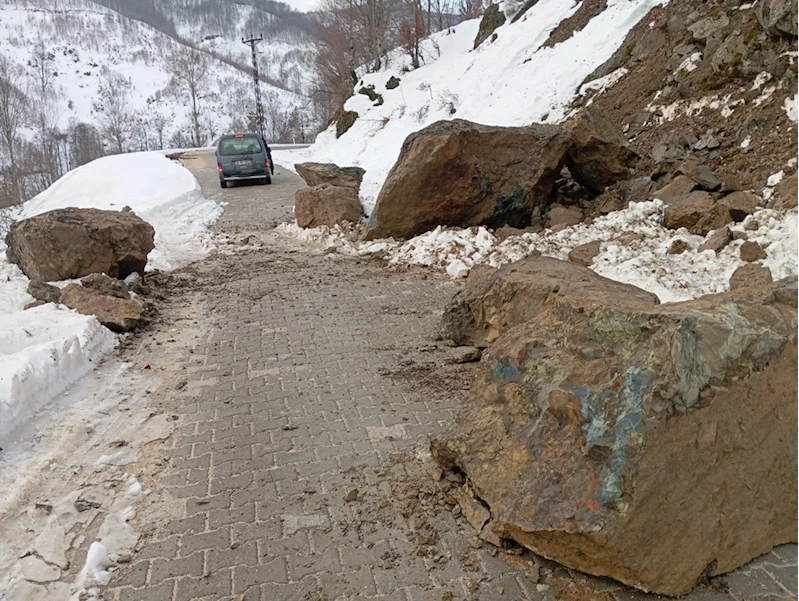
(247, 145)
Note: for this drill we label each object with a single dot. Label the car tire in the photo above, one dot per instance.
(266, 181)
(222, 183)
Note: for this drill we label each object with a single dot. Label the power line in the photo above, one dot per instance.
(259, 107)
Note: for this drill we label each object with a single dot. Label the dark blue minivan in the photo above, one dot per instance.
(242, 157)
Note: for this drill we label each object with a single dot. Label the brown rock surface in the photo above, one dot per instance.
(559, 215)
(43, 291)
(718, 240)
(750, 274)
(316, 174)
(752, 251)
(677, 189)
(495, 300)
(326, 205)
(688, 211)
(585, 253)
(71, 243)
(599, 154)
(678, 247)
(118, 315)
(460, 173)
(106, 285)
(785, 193)
(598, 427)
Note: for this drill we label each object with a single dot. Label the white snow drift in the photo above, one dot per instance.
(46, 349)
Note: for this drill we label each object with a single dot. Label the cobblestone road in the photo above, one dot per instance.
(298, 468)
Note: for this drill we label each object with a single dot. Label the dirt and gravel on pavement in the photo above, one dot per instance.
(304, 387)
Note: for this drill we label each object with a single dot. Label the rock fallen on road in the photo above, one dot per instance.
(316, 174)
(496, 300)
(71, 243)
(117, 314)
(326, 205)
(597, 427)
(106, 285)
(42, 291)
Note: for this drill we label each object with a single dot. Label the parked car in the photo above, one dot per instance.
(242, 157)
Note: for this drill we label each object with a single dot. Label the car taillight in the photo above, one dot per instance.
(219, 167)
(266, 163)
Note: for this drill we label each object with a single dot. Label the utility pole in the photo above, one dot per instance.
(259, 107)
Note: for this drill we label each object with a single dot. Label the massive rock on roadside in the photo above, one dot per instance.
(316, 174)
(117, 314)
(460, 173)
(326, 205)
(653, 445)
(71, 243)
(495, 300)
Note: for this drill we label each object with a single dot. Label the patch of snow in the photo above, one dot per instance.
(682, 108)
(633, 249)
(603, 84)
(43, 351)
(775, 179)
(765, 95)
(746, 142)
(790, 107)
(761, 79)
(690, 63)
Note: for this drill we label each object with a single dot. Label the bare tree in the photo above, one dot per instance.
(411, 31)
(189, 78)
(115, 114)
(13, 113)
(84, 143)
(45, 115)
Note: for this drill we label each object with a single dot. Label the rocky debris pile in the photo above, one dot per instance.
(459, 173)
(601, 419)
(107, 298)
(331, 196)
(715, 79)
(71, 243)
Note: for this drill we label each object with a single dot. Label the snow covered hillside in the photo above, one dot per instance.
(80, 39)
(513, 80)
(44, 350)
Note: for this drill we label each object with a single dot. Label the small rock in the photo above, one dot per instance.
(701, 175)
(34, 304)
(717, 241)
(585, 253)
(559, 215)
(106, 285)
(752, 225)
(678, 246)
(752, 251)
(785, 194)
(466, 354)
(351, 495)
(675, 190)
(739, 235)
(750, 274)
(688, 211)
(42, 291)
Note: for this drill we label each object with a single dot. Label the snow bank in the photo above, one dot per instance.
(45, 350)
(159, 190)
(510, 81)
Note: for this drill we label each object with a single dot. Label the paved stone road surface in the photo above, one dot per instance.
(304, 401)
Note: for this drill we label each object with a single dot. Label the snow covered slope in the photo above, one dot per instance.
(513, 80)
(82, 37)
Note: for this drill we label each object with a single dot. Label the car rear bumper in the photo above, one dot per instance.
(229, 178)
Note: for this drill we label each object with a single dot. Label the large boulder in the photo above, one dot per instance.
(326, 205)
(599, 154)
(316, 174)
(653, 444)
(496, 300)
(117, 314)
(459, 173)
(71, 243)
(106, 285)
